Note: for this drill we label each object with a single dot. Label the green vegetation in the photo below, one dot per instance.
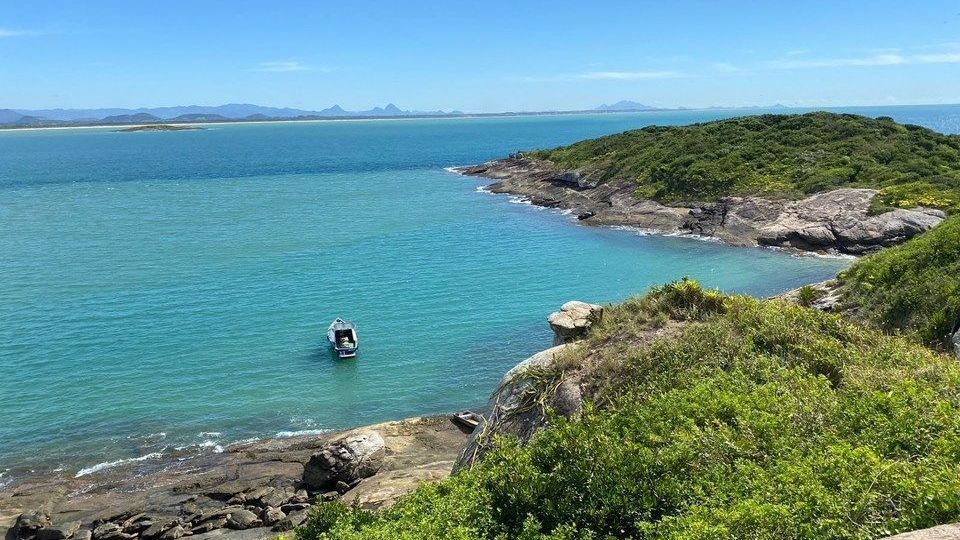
(913, 288)
(742, 419)
(806, 295)
(776, 156)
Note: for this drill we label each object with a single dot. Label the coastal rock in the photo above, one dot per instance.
(347, 460)
(838, 220)
(941, 532)
(243, 519)
(30, 522)
(573, 321)
(519, 409)
(107, 530)
(271, 516)
(83, 534)
(290, 522)
(173, 533)
(60, 531)
(826, 296)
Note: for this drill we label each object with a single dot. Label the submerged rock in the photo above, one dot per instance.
(347, 460)
(573, 321)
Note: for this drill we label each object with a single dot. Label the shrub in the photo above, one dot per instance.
(757, 420)
(776, 156)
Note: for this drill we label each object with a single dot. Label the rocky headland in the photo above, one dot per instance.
(837, 221)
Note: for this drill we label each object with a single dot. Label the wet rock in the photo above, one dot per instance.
(346, 460)
(573, 321)
(243, 519)
(585, 215)
(60, 531)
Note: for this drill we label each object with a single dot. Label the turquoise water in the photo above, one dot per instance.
(166, 293)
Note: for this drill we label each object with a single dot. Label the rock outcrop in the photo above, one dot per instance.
(345, 462)
(249, 492)
(956, 342)
(518, 406)
(825, 296)
(573, 321)
(838, 220)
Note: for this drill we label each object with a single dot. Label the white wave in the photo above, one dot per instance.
(484, 189)
(211, 434)
(454, 169)
(111, 464)
(520, 199)
(301, 433)
(212, 445)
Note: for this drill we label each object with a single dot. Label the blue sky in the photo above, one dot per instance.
(478, 56)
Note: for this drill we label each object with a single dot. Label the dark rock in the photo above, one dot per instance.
(329, 496)
(585, 215)
(60, 531)
(243, 519)
(155, 530)
(342, 487)
(290, 522)
(29, 523)
(294, 507)
(271, 516)
(83, 534)
(346, 460)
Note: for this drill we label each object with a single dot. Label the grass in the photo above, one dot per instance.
(748, 419)
(913, 288)
(776, 156)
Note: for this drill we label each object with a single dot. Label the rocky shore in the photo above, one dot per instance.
(836, 221)
(249, 491)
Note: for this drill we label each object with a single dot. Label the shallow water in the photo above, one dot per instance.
(169, 292)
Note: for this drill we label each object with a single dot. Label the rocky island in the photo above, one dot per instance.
(813, 182)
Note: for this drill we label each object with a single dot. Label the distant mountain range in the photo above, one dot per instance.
(195, 113)
(244, 112)
(623, 106)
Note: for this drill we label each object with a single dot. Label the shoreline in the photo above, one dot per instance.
(831, 223)
(164, 489)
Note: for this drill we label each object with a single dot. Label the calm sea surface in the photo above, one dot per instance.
(169, 292)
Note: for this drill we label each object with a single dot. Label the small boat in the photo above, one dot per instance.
(343, 338)
(467, 421)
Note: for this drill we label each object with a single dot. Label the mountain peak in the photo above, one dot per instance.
(625, 105)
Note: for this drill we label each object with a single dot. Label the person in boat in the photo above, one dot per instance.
(345, 342)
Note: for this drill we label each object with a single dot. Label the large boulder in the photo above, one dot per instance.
(519, 406)
(60, 531)
(573, 321)
(345, 461)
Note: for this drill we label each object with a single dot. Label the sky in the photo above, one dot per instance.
(477, 56)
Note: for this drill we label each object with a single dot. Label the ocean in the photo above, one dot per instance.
(168, 292)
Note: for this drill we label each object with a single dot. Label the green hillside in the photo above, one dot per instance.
(913, 288)
(751, 419)
(776, 156)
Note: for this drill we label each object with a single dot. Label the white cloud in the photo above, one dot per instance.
(725, 67)
(7, 32)
(880, 57)
(608, 76)
(282, 67)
